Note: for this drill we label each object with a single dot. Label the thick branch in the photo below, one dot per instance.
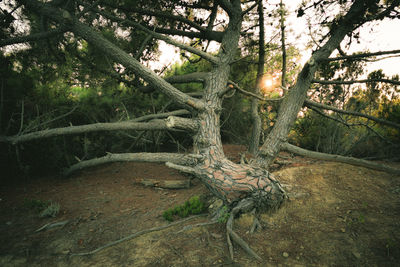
(138, 157)
(96, 127)
(226, 5)
(174, 122)
(31, 37)
(311, 104)
(161, 115)
(356, 81)
(338, 158)
(255, 117)
(196, 77)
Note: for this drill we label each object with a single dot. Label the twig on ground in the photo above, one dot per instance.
(159, 228)
(52, 225)
(191, 226)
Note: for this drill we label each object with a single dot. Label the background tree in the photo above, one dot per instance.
(109, 35)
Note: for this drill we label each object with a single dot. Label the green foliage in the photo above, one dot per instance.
(224, 215)
(50, 211)
(44, 208)
(191, 207)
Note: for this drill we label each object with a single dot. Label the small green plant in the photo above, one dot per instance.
(44, 208)
(50, 211)
(223, 215)
(192, 206)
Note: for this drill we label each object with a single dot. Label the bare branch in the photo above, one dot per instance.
(137, 157)
(161, 115)
(196, 77)
(96, 127)
(250, 8)
(356, 81)
(32, 37)
(339, 158)
(251, 94)
(311, 104)
(363, 55)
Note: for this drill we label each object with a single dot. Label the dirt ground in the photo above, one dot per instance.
(338, 215)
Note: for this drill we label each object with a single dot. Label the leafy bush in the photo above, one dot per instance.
(191, 207)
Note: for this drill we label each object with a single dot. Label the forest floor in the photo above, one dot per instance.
(339, 215)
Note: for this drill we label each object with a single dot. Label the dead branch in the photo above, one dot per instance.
(138, 157)
(311, 104)
(96, 127)
(167, 184)
(52, 225)
(362, 55)
(338, 158)
(356, 81)
(161, 115)
(129, 237)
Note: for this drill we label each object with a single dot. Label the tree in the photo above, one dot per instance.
(242, 187)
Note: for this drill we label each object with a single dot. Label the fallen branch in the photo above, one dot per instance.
(52, 225)
(338, 158)
(129, 237)
(167, 184)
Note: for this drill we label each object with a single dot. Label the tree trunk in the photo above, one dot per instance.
(293, 101)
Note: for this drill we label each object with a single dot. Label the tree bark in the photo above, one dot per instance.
(255, 116)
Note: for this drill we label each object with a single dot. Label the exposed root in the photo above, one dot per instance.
(244, 205)
(129, 237)
(256, 223)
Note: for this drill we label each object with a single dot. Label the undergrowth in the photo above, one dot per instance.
(191, 207)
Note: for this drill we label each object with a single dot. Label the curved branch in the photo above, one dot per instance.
(96, 127)
(138, 157)
(338, 158)
(356, 81)
(311, 104)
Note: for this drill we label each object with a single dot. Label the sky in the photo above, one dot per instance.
(385, 35)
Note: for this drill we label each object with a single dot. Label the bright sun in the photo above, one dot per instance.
(268, 82)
